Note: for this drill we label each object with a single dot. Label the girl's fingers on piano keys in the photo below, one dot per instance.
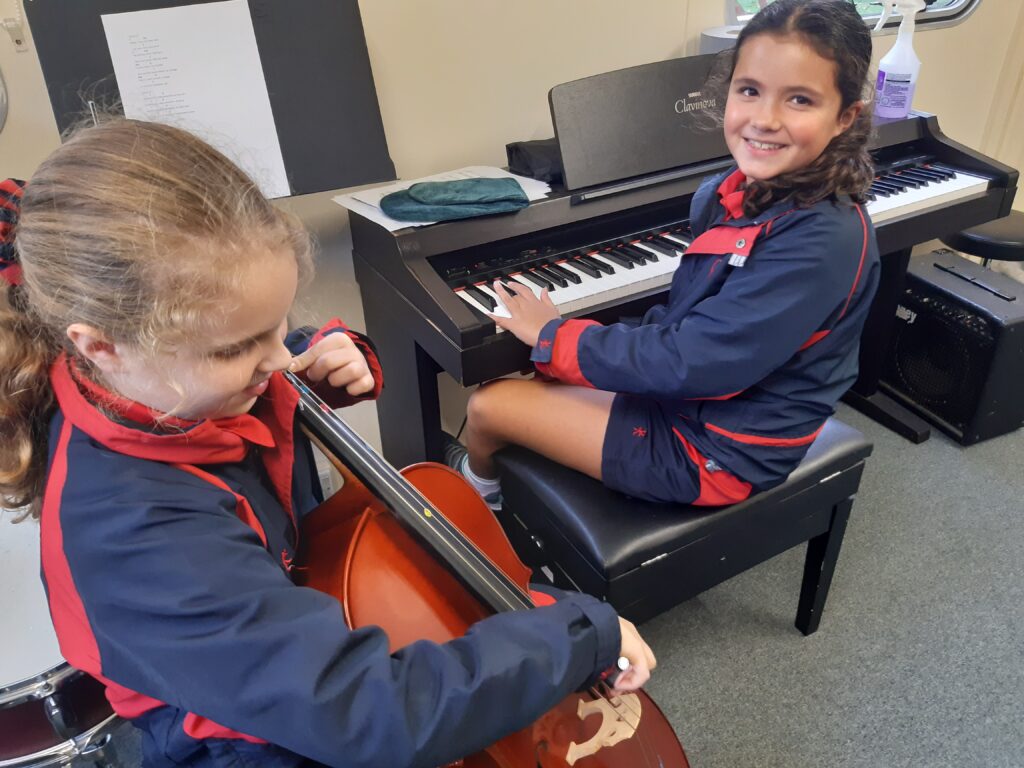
(511, 288)
(529, 314)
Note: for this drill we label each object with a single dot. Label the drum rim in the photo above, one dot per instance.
(66, 751)
(37, 687)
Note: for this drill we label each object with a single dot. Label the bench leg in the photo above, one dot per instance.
(822, 555)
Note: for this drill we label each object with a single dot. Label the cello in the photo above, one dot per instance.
(420, 555)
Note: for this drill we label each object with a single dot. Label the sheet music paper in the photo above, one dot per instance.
(198, 67)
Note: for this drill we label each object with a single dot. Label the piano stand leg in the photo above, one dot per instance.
(890, 414)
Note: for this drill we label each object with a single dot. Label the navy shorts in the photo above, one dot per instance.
(645, 457)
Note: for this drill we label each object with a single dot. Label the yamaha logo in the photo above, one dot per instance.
(693, 103)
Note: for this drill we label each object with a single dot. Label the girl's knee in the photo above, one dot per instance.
(491, 403)
(483, 402)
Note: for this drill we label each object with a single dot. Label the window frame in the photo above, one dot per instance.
(929, 18)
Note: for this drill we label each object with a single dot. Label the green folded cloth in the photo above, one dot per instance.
(461, 199)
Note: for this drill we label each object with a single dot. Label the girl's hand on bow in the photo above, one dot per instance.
(529, 314)
(640, 657)
(335, 358)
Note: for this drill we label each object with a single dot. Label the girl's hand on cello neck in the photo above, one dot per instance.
(336, 359)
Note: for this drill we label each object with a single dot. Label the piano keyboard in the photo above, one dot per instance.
(589, 278)
(913, 189)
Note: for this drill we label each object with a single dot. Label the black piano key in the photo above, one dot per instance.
(887, 186)
(554, 277)
(664, 250)
(640, 253)
(586, 268)
(950, 172)
(543, 282)
(879, 191)
(624, 251)
(620, 259)
(667, 243)
(895, 183)
(932, 173)
(908, 180)
(481, 297)
(572, 277)
(598, 264)
(505, 283)
(921, 177)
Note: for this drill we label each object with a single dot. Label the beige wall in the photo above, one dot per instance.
(458, 79)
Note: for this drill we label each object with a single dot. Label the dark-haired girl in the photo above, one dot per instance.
(718, 393)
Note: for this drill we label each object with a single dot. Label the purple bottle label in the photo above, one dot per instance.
(894, 93)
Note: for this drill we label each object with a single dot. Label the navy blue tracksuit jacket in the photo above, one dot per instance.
(758, 340)
(167, 558)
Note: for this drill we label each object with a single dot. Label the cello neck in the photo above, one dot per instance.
(421, 518)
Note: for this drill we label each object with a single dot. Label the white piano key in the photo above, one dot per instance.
(526, 282)
(682, 241)
(471, 301)
(500, 310)
(659, 254)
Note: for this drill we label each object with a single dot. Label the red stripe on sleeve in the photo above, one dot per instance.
(565, 364)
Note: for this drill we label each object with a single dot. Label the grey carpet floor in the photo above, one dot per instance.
(919, 661)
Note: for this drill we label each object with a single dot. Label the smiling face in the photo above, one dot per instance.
(783, 107)
(223, 372)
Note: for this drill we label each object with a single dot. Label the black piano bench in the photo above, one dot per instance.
(645, 558)
(999, 239)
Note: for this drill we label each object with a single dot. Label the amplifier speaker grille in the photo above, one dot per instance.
(956, 349)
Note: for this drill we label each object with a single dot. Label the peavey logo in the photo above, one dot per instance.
(693, 102)
(907, 315)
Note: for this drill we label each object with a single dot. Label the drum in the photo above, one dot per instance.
(50, 714)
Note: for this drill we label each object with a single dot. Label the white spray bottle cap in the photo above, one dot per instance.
(907, 8)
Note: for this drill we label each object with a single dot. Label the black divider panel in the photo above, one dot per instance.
(314, 60)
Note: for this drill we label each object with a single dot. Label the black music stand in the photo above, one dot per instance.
(314, 60)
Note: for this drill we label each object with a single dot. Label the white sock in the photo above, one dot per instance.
(485, 486)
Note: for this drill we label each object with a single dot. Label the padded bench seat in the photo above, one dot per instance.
(645, 557)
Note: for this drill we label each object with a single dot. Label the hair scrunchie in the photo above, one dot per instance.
(10, 206)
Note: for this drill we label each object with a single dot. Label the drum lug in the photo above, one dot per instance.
(100, 752)
(61, 718)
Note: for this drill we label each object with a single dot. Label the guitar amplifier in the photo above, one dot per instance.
(957, 352)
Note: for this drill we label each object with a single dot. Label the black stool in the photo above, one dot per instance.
(645, 558)
(999, 239)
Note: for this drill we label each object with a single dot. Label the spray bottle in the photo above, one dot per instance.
(898, 69)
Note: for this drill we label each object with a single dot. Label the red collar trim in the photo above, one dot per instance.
(208, 441)
(731, 195)
(122, 406)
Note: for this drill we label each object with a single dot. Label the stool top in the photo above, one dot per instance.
(616, 533)
(1000, 239)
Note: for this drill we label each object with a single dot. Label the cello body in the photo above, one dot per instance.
(359, 552)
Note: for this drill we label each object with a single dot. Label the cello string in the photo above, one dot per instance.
(624, 703)
(452, 537)
(386, 476)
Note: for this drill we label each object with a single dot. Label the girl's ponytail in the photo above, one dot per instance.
(25, 357)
